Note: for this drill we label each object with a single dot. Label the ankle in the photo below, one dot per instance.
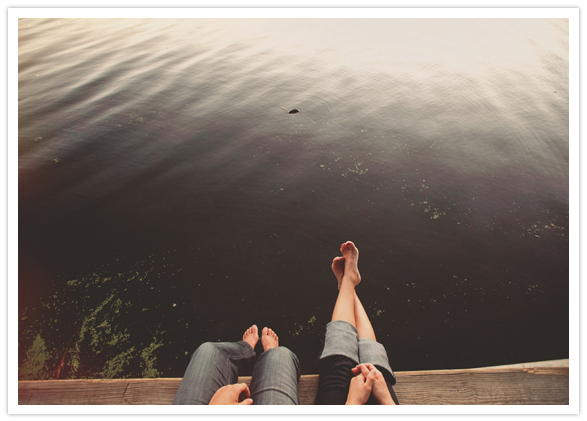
(347, 283)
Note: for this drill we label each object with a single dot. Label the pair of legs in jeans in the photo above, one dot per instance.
(215, 365)
(353, 366)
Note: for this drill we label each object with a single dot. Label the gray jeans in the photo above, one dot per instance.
(215, 364)
(342, 338)
(343, 350)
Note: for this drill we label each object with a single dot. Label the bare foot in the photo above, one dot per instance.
(251, 336)
(351, 262)
(338, 269)
(269, 339)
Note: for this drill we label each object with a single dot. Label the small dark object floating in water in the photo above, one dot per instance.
(294, 111)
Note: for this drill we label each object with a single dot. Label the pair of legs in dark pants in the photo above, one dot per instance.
(343, 350)
(274, 381)
(349, 341)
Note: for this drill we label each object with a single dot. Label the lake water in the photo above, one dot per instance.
(168, 198)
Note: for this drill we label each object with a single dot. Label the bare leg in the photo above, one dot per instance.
(362, 323)
(344, 309)
(382, 391)
(341, 346)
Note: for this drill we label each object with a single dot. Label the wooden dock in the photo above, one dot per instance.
(544, 383)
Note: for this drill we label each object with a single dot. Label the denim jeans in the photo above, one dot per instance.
(344, 350)
(213, 365)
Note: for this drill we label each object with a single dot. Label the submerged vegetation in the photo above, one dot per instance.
(110, 339)
(35, 364)
(141, 318)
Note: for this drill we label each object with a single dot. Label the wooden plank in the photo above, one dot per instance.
(551, 363)
(491, 386)
(98, 392)
(488, 386)
(307, 389)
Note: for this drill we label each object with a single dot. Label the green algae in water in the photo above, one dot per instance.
(149, 359)
(35, 365)
(92, 321)
(115, 366)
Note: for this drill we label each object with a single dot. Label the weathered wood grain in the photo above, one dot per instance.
(482, 386)
(492, 386)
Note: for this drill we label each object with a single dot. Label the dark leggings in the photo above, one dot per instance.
(335, 378)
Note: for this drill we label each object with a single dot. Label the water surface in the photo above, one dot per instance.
(167, 198)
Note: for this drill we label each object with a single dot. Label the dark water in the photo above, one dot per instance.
(167, 198)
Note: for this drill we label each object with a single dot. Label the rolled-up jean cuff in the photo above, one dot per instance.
(341, 339)
(373, 352)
